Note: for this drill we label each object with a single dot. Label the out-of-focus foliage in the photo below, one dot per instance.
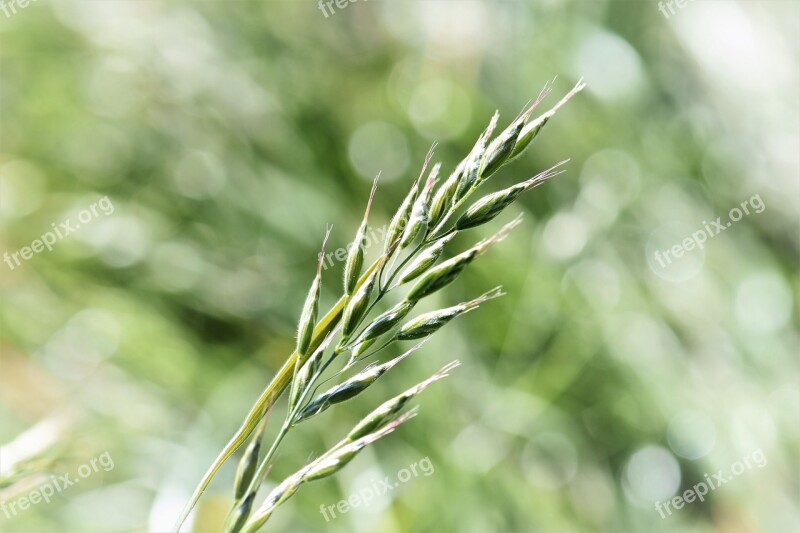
(228, 134)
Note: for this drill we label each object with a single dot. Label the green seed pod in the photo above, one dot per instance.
(426, 259)
(387, 411)
(499, 150)
(398, 224)
(378, 417)
(315, 407)
(472, 167)
(359, 349)
(428, 323)
(493, 204)
(331, 465)
(528, 133)
(278, 496)
(247, 467)
(357, 305)
(400, 219)
(418, 219)
(308, 318)
(424, 325)
(532, 129)
(305, 375)
(378, 327)
(488, 207)
(238, 516)
(336, 458)
(349, 388)
(441, 276)
(385, 321)
(355, 255)
(443, 198)
(444, 274)
(467, 181)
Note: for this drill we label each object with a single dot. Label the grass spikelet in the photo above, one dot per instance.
(381, 325)
(308, 317)
(355, 255)
(418, 220)
(444, 274)
(388, 410)
(357, 305)
(350, 388)
(425, 260)
(400, 219)
(491, 205)
(428, 323)
(472, 167)
(532, 129)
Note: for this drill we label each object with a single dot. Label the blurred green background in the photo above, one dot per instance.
(227, 135)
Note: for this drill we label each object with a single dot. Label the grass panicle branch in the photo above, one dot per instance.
(422, 218)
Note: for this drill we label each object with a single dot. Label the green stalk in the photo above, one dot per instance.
(267, 400)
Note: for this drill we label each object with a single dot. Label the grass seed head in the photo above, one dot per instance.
(351, 387)
(308, 318)
(385, 321)
(238, 517)
(500, 149)
(444, 196)
(421, 212)
(400, 220)
(358, 350)
(418, 219)
(387, 411)
(425, 259)
(305, 375)
(532, 129)
(472, 167)
(247, 467)
(491, 205)
(428, 323)
(287, 488)
(355, 255)
(336, 459)
(444, 274)
(441, 276)
(358, 304)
